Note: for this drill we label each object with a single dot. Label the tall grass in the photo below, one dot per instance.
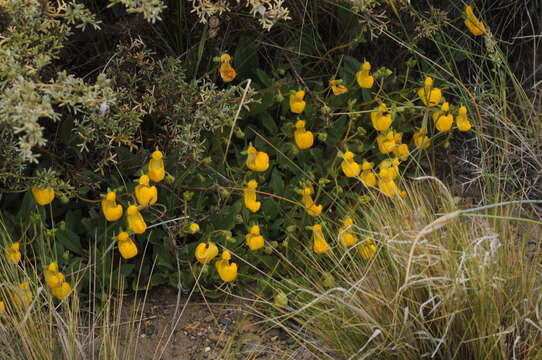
(442, 285)
(48, 329)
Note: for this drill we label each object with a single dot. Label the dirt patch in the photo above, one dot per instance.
(172, 329)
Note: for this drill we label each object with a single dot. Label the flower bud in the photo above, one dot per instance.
(207, 160)
(322, 137)
(188, 195)
(64, 199)
(239, 133)
(281, 299)
(328, 280)
(291, 228)
(239, 219)
(170, 179)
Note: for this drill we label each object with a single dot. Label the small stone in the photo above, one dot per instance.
(207, 349)
(224, 321)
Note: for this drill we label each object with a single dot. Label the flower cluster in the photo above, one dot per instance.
(59, 287)
(145, 195)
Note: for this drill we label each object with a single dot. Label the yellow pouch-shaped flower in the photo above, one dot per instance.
(380, 118)
(337, 88)
(463, 123)
(311, 208)
(253, 239)
(367, 250)
(53, 278)
(226, 270)
(12, 253)
(475, 26)
(349, 167)
(227, 72)
(257, 160)
(319, 245)
(401, 151)
(249, 194)
(127, 247)
(62, 291)
(429, 95)
(346, 235)
(135, 220)
(304, 139)
(205, 252)
(364, 79)
(420, 140)
(145, 194)
(156, 168)
(367, 175)
(43, 196)
(297, 104)
(111, 210)
(443, 119)
(24, 295)
(386, 143)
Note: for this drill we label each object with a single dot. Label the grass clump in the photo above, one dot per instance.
(442, 284)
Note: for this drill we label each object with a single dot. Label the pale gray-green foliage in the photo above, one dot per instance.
(33, 34)
(103, 113)
(180, 110)
(151, 9)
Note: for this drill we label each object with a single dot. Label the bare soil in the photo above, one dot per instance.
(197, 329)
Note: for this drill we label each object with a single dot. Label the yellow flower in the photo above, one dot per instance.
(225, 58)
(145, 194)
(43, 196)
(156, 167)
(227, 72)
(53, 278)
(2, 308)
(367, 176)
(249, 194)
(401, 151)
(429, 95)
(386, 143)
(380, 118)
(337, 87)
(319, 244)
(346, 235)
(12, 253)
(362, 76)
(297, 104)
(127, 247)
(311, 208)
(60, 292)
(193, 228)
(226, 271)
(443, 119)
(205, 252)
(257, 160)
(111, 210)
(389, 168)
(253, 239)
(349, 166)
(136, 223)
(303, 138)
(420, 140)
(24, 295)
(463, 123)
(367, 250)
(475, 26)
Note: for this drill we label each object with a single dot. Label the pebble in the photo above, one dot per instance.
(207, 349)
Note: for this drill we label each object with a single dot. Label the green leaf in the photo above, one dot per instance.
(269, 123)
(69, 240)
(277, 183)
